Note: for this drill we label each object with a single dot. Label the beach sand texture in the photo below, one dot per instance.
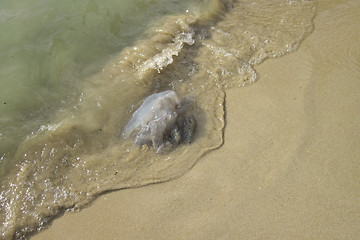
(289, 167)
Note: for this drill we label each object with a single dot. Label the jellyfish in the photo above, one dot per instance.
(163, 121)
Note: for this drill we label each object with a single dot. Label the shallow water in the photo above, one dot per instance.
(48, 50)
(71, 79)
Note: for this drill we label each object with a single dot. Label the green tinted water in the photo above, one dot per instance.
(47, 48)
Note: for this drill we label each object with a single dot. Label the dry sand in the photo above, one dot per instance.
(290, 165)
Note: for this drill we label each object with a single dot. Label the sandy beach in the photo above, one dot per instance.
(289, 167)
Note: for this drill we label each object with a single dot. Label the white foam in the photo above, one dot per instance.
(165, 57)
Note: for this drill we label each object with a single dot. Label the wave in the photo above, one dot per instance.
(64, 165)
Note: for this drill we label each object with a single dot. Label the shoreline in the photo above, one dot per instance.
(288, 168)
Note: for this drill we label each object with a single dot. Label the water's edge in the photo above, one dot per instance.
(69, 162)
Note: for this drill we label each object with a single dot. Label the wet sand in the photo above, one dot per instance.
(289, 167)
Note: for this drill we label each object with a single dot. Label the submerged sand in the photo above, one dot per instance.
(289, 167)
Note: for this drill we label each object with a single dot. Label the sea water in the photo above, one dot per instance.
(72, 72)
